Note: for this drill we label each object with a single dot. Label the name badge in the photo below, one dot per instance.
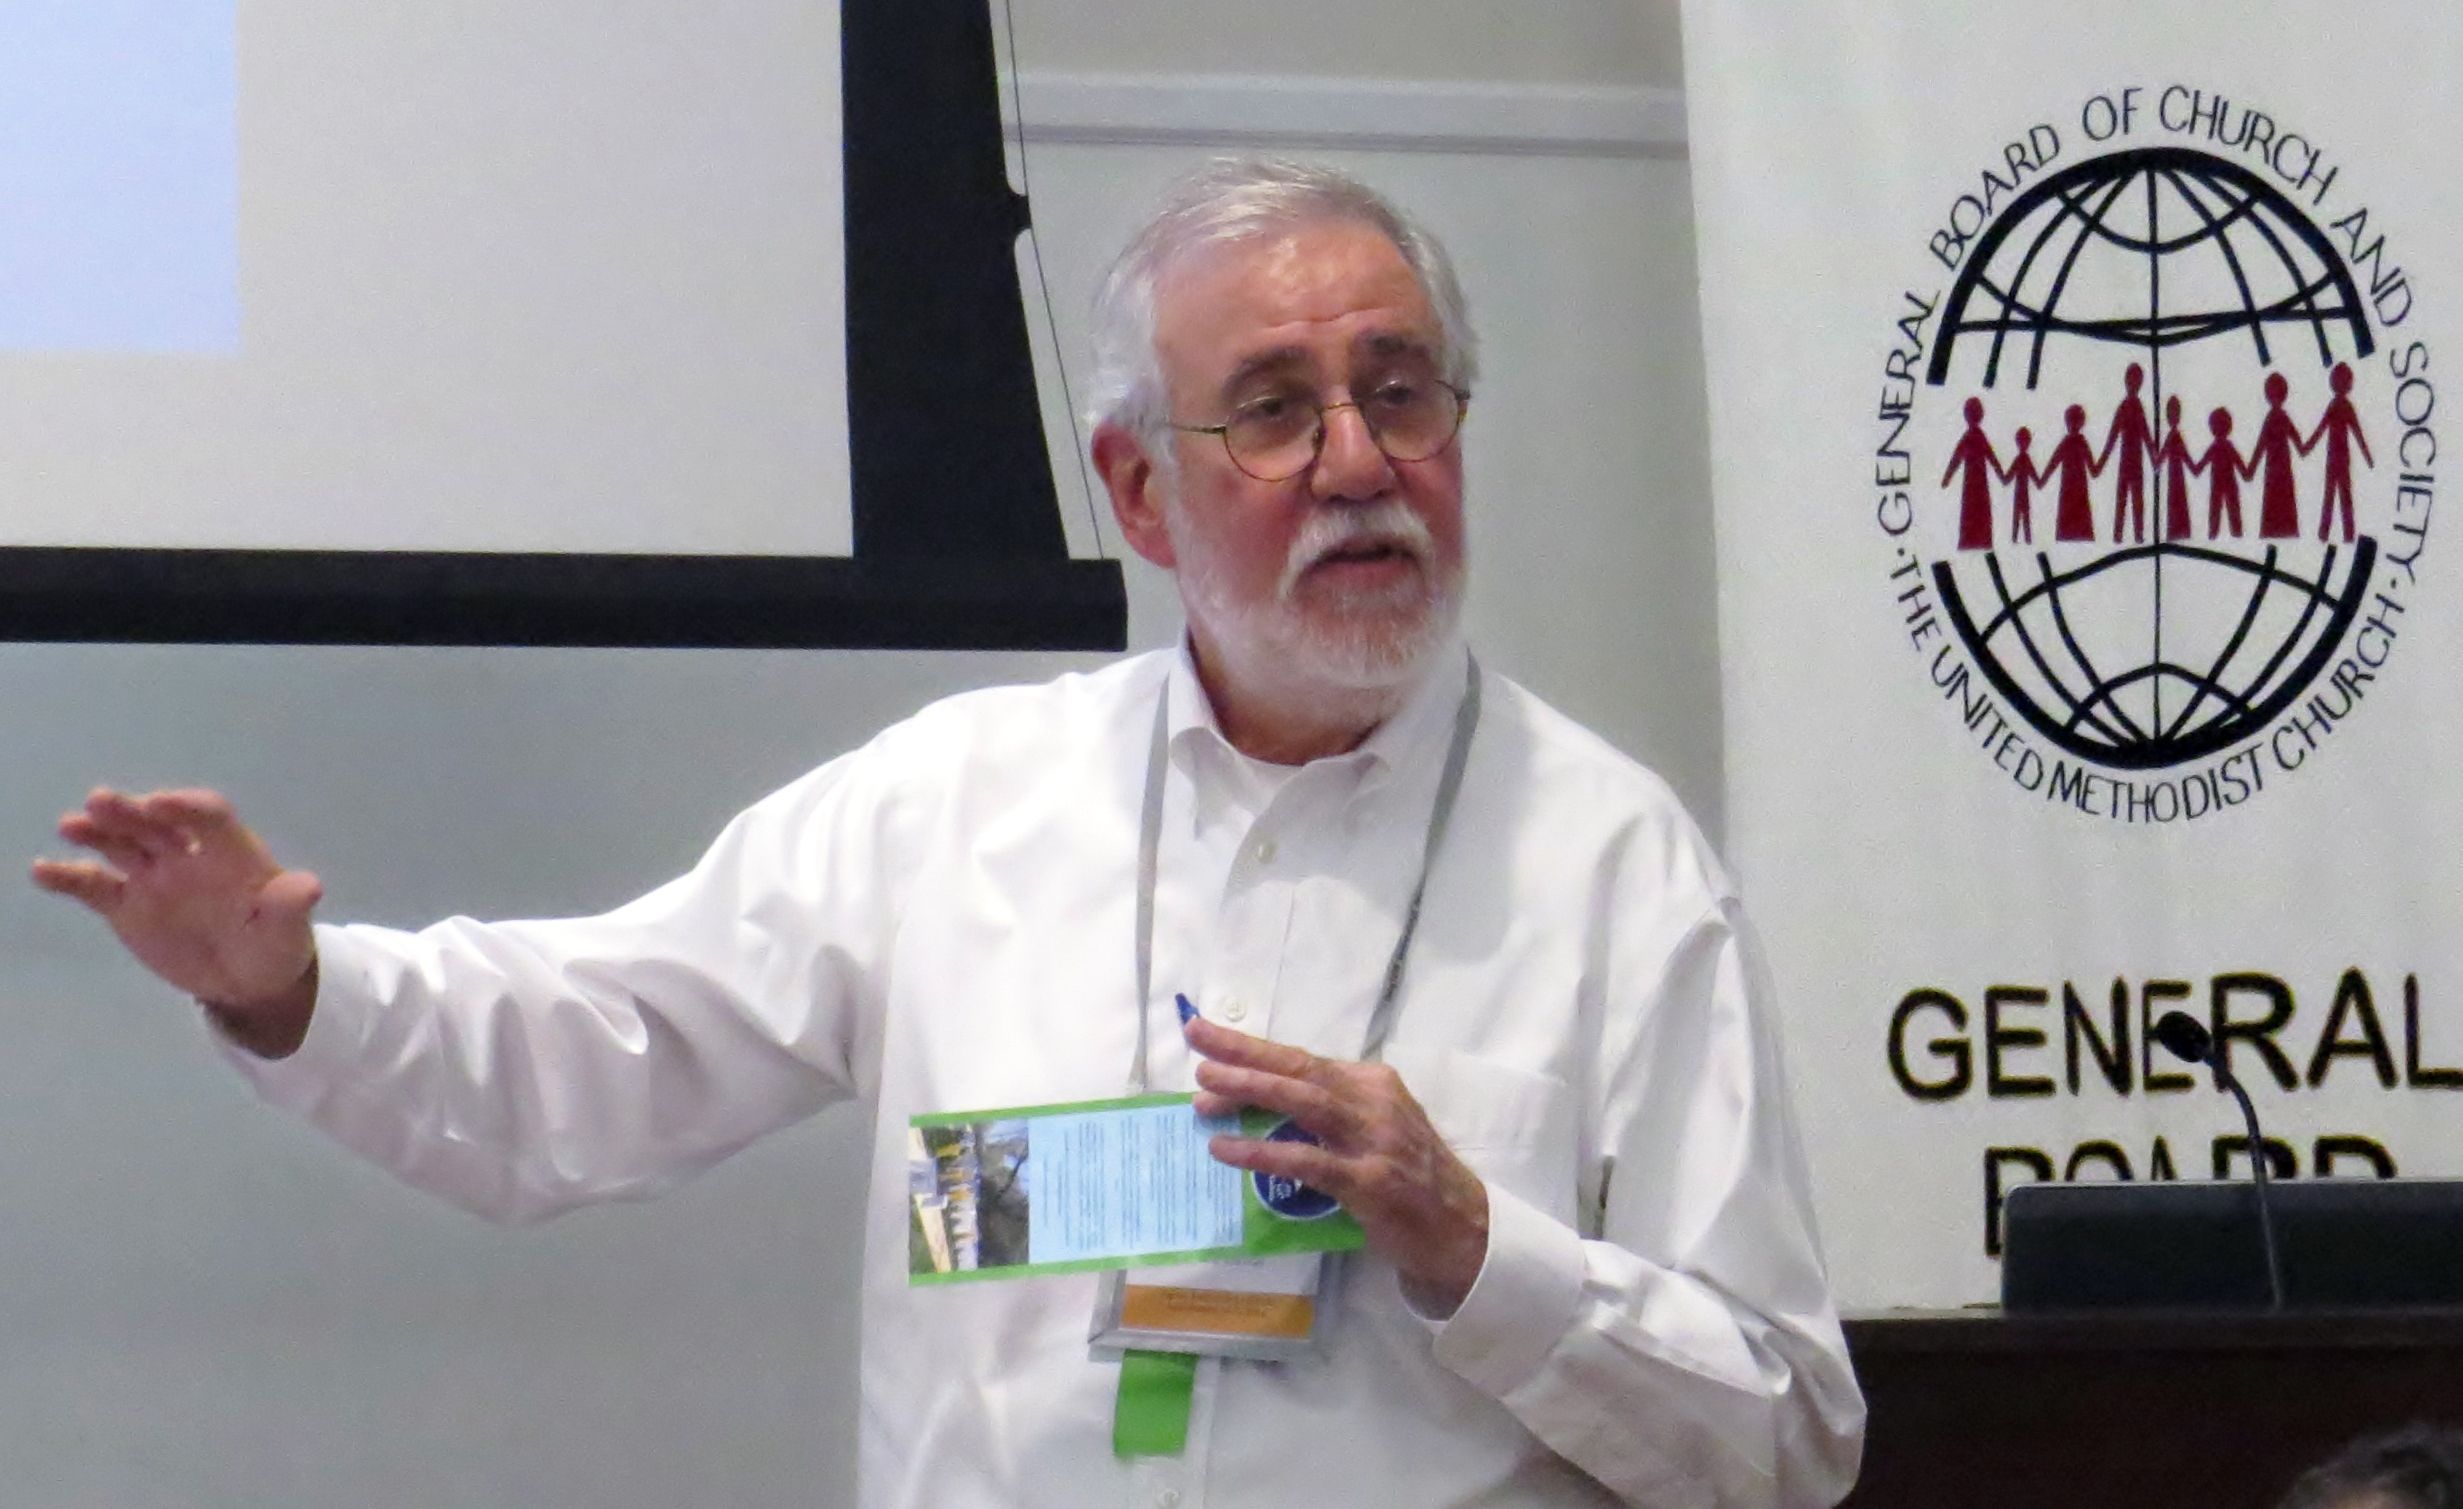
(1265, 1309)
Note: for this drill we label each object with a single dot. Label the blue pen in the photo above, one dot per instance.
(1188, 1013)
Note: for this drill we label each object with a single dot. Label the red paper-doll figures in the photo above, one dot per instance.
(2339, 427)
(2224, 470)
(2069, 466)
(2132, 436)
(2174, 460)
(1974, 455)
(2022, 475)
(2271, 453)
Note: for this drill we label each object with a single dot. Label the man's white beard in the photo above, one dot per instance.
(1318, 649)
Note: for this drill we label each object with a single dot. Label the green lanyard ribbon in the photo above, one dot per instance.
(1151, 1416)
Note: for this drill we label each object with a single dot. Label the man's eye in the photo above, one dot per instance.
(1274, 416)
(1398, 396)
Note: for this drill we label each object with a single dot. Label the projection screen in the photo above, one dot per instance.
(567, 322)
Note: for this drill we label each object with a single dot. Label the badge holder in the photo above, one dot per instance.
(1160, 1321)
(1264, 1310)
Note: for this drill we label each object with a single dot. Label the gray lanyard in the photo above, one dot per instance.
(1150, 845)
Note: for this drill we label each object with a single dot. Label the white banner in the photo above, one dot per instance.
(2088, 648)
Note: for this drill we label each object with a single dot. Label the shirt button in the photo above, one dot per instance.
(1265, 851)
(1235, 1010)
(1169, 1498)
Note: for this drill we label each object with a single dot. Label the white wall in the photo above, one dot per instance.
(1536, 41)
(202, 1304)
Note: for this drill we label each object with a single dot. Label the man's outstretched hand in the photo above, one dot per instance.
(200, 901)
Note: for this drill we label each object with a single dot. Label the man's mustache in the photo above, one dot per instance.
(1388, 525)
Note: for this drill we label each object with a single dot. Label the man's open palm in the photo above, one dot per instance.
(193, 894)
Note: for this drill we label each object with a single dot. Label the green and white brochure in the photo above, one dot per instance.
(1100, 1184)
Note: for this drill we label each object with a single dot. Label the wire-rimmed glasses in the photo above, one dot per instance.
(1278, 435)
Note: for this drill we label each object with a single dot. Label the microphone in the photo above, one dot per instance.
(2187, 1038)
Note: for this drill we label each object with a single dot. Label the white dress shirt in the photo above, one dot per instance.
(943, 921)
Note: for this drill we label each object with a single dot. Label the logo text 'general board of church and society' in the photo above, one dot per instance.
(2156, 453)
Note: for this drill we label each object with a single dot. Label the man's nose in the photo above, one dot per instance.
(1350, 463)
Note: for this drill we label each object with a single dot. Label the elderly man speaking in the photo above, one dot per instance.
(1484, 958)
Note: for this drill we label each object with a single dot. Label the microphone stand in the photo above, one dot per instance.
(2258, 1160)
(2186, 1038)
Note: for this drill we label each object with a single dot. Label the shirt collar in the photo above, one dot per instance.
(1419, 728)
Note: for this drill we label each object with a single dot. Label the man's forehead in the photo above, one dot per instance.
(1373, 345)
(1288, 293)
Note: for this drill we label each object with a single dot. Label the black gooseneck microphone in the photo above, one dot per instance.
(2187, 1038)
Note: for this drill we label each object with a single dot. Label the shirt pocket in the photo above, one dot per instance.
(1513, 1126)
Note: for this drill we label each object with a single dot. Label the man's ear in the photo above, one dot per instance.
(1129, 475)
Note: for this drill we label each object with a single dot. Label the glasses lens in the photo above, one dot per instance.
(1273, 437)
(1412, 420)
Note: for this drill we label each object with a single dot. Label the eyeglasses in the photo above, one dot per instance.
(1277, 436)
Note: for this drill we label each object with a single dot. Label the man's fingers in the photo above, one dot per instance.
(80, 880)
(1225, 1046)
(1317, 1107)
(85, 833)
(120, 818)
(203, 816)
(193, 805)
(1315, 1167)
(1215, 1107)
(290, 896)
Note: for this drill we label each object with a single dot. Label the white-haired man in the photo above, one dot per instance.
(1483, 957)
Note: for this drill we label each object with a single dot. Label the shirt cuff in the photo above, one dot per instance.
(1526, 1297)
(337, 1036)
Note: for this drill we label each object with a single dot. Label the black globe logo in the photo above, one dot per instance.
(2156, 454)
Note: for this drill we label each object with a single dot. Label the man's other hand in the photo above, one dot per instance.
(1422, 1208)
(200, 901)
